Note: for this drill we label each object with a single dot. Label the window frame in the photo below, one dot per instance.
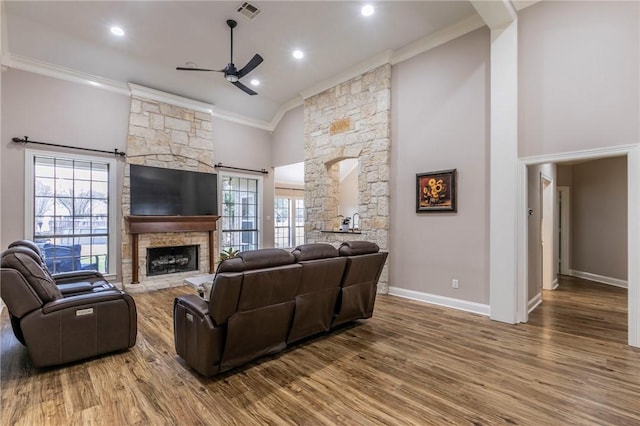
(292, 219)
(114, 203)
(259, 206)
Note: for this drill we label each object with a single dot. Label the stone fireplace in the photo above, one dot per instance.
(162, 134)
(171, 260)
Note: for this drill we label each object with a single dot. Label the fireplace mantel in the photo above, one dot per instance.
(153, 224)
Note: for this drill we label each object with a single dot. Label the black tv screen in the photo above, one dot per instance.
(167, 192)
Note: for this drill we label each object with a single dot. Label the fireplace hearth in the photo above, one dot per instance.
(170, 260)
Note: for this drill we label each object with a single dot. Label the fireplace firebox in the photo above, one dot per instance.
(170, 260)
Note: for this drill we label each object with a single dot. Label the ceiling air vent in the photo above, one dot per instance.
(248, 10)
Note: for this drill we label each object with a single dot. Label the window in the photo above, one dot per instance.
(239, 213)
(70, 208)
(289, 222)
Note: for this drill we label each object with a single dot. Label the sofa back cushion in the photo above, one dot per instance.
(223, 299)
(265, 309)
(359, 286)
(256, 259)
(264, 287)
(314, 251)
(35, 253)
(317, 295)
(24, 260)
(355, 248)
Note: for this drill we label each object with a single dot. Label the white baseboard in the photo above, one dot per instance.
(434, 299)
(555, 283)
(599, 278)
(534, 302)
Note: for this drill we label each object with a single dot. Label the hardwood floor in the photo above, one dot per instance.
(410, 364)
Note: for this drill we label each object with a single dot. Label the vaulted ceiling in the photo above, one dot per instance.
(335, 37)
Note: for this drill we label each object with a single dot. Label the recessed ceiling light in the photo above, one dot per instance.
(255, 82)
(367, 10)
(117, 31)
(298, 54)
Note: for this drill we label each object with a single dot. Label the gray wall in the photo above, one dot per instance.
(564, 175)
(288, 139)
(250, 148)
(440, 121)
(578, 76)
(55, 111)
(599, 217)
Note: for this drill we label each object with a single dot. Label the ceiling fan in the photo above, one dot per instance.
(231, 73)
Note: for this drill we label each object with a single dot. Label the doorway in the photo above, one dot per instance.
(632, 155)
(546, 232)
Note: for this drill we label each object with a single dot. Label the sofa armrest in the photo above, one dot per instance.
(72, 288)
(75, 276)
(197, 339)
(82, 299)
(194, 304)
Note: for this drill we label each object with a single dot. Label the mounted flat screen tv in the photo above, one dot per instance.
(167, 192)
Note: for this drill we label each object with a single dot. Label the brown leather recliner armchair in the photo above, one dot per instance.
(58, 328)
(72, 282)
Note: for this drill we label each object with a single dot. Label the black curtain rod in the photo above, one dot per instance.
(26, 140)
(220, 166)
(290, 189)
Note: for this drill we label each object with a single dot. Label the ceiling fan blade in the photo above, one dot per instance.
(254, 62)
(244, 88)
(196, 69)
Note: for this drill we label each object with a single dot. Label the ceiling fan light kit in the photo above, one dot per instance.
(231, 73)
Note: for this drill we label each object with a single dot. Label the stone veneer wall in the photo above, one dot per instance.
(163, 135)
(350, 120)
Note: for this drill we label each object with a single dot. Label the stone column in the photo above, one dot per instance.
(350, 120)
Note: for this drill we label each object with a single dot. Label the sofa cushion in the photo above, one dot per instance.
(314, 251)
(22, 259)
(257, 259)
(26, 243)
(34, 252)
(355, 248)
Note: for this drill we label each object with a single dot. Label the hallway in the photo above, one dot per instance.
(583, 308)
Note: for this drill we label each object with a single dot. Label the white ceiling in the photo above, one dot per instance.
(292, 174)
(161, 35)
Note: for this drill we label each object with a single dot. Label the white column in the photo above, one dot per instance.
(503, 184)
(501, 18)
(633, 279)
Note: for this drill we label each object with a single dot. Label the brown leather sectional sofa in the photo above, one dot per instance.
(264, 300)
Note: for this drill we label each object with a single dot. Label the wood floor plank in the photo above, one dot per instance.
(412, 363)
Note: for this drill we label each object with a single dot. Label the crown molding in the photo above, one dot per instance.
(241, 119)
(284, 108)
(44, 68)
(436, 39)
(353, 72)
(523, 4)
(169, 98)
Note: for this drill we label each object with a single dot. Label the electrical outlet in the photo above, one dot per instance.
(454, 283)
